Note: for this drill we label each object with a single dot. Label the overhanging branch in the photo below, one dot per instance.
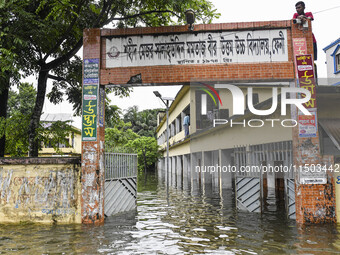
(56, 78)
(67, 31)
(145, 13)
(65, 57)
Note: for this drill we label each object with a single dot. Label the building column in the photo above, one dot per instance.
(179, 171)
(195, 174)
(173, 171)
(215, 175)
(186, 171)
(270, 175)
(225, 162)
(207, 175)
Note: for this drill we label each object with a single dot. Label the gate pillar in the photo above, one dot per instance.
(93, 132)
(314, 187)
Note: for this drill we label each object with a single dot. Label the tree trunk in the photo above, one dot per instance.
(4, 85)
(38, 107)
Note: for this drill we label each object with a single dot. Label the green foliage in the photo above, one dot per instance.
(10, 43)
(2, 126)
(19, 111)
(144, 123)
(55, 133)
(119, 135)
(42, 37)
(68, 82)
(112, 116)
(23, 101)
(124, 135)
(165, 12)
(147, 150)
(20, 108)
(17, 135)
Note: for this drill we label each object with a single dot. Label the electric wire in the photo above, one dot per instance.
(335, 7)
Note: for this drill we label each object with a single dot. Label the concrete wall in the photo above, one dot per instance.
(175, 110)
(328, 105)
(45, 190)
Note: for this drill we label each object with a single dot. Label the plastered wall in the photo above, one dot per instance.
(44, 190)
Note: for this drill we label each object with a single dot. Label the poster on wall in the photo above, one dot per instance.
(306, 78)
(307, 125)
(299, 46)
(101, 106)
(312, 174)
(91, 71)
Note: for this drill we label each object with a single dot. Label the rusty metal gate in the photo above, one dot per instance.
(250, 161)
(120, 182)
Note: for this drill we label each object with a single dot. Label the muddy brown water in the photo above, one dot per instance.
(187, 222)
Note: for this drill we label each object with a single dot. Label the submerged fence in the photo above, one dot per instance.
(120, 182)
(120, 165)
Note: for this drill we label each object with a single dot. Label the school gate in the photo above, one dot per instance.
(249, 51)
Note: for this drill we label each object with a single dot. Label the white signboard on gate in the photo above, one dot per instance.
(313, 174)
(197, 48)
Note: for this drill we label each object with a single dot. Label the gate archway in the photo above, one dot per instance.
(249, 51)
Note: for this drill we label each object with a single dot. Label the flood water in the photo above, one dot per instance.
(185, 223)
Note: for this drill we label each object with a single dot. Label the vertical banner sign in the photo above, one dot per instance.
(305, 70)
(299, 46)
(101, 106)
(308, 125)
(90, 99)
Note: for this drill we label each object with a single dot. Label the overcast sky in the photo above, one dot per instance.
(325, 28)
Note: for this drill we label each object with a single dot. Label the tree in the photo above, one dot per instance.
(147, 150)
(21, 101)
(131, 116)
(19, 111)
(144, 123)
(147, 121)
(10, 62)
(119, 135)
(54, 28)
(112, 115)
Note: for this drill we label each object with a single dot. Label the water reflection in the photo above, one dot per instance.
(196, 220)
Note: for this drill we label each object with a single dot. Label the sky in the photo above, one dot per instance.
(325, 28)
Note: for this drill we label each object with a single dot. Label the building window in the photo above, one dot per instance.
(48, 145)
(206, 109)
(337, 62)
(336, 59)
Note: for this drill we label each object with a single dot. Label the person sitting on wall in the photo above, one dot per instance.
(186, 124)
(303, 16)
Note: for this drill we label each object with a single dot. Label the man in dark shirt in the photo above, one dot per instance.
(302, 15)
(186, 123)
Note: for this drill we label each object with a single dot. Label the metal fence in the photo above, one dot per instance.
(120, 165)
(249, 184)
(120, 182)
(256, 155)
